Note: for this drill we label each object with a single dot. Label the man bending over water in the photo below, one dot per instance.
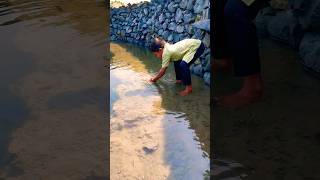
(182, 54)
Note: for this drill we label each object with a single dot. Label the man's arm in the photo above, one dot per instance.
(161, 72)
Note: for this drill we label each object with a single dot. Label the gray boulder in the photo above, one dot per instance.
(178, 16)
(145, 11)
(172, 26)
(197, 70)
(176, 37)
(144, 26)
(198, 34)
(161, 18)
(183, 4)
(311, 19)
(205, 14)
(309, 52)
(206, 40)
(285, 27)
(190, 5)
(200, 5)
(128, 29)
(298, 7)
(150, 21)
(122, 33)
(170, 38)
(187, 18)
(179, 29)
(164, 26)
(165, 35)
(203, 25)
(160, 32)
(172, 7)
(207, 64)
(206, 78)
(159, 8)
(189, 29)
(168, 15)
(262, 20)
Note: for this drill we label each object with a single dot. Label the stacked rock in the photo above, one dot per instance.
(296, 23)
(171, 20)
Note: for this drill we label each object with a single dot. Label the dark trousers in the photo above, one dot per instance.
(235, 35)
(182, 68)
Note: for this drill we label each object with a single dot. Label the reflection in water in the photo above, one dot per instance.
(13, 110)
(52, 80)
(154, 132)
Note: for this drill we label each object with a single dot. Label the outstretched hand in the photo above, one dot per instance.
(152, 80)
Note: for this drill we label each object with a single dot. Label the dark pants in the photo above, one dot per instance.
(235, 35)
(182, 68)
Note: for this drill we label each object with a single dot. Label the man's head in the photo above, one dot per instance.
(157, 47)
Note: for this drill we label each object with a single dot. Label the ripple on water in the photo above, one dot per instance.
(149, 127)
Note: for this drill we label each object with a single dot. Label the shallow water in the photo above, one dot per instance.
(154, 132)
(52, 82)
(277, 138)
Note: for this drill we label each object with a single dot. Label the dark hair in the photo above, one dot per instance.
(155, 45)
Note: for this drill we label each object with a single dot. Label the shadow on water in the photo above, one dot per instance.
(77, 99)
(186, 120)
(13, 110)
(277, 138)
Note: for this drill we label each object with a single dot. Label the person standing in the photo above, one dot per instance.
(236, 43)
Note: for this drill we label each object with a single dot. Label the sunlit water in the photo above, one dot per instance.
(53, 80)
(155, 134)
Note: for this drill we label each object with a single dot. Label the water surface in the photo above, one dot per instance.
(53, 80)
(277, 138)
(155, 133)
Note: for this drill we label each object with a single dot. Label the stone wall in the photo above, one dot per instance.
(171, 20)
(296, 23)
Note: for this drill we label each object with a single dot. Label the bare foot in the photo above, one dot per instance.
(221, 64)
(178, 81)
(251, 91)
(238, 100)
(186, 91)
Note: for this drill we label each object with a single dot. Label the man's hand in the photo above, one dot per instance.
(153, 80)
(161, 72)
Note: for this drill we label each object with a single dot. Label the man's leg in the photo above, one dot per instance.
(220, 49)
(244, 48)
(185, 71)
(186, 78)
(177, 71)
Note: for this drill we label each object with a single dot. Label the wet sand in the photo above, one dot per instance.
(152, 136)
(63, 136)
(276, 138)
